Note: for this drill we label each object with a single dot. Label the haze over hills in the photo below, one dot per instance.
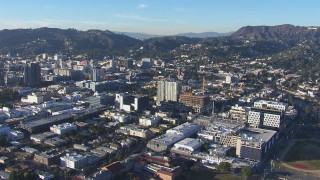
(204, 34)
(137, 35)
(144, 36)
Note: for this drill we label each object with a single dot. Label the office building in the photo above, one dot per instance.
(128, 63)
(271, 105)
(133, 102)
(230, 78)
(96, 74)
(220, 131)
(199, 104)
(255, 143)
(259, 117)
(146, 63)
(238, 113)
(32, 75)
(168, 91)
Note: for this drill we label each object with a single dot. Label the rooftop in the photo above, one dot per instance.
(257, 135)
(64, 125)
(190, 142)
(271, 102)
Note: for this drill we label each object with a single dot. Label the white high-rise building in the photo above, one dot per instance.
(168, 91)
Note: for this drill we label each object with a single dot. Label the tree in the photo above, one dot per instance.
(15, 176)
(195, 168)
(308, 110)
(224, 167)
(3, 140)
(247, 171)
(78, 118)
(120, 155)
(87, 170)
(30, 175)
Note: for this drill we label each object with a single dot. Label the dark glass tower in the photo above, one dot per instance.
(32, 75)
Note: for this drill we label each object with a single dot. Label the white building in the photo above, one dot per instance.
(36, 98)
(133, 102)
(149, 121)
(230, 78)
(271, 105)
(166, 141)
(64, 128)
(167, 91)
(74, 161)
(188, 145)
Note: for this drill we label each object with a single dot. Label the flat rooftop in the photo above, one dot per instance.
(256, 135)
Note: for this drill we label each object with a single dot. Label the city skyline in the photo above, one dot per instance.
(157, 17)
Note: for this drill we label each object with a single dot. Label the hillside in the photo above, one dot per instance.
(52, 40)
(285, 31)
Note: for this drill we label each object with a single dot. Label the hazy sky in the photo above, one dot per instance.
(157, 16)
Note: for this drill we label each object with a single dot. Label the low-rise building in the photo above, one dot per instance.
(166, 141)
(47, 158)
(55, 142)
(74, 161)
(39, 138)
(64, 128)
(187, 145)
(81, 147)
(149, 121)
(271, 105)
(36, 98)
(238, 113)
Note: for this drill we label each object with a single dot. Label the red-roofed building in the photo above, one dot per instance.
(156, 159)
(169, 175)
(115, 168)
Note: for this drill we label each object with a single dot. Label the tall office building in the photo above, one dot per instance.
(128, 63)
(113, 64)
(32, 74)
(168, 91)
(96, 74)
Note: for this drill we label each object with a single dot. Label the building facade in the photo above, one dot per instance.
(64, 128)
(168, 91)
(259, 117)
(96, 74)
(199, 104)
(32, 75)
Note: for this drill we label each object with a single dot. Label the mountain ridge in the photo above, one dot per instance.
(284, 31)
